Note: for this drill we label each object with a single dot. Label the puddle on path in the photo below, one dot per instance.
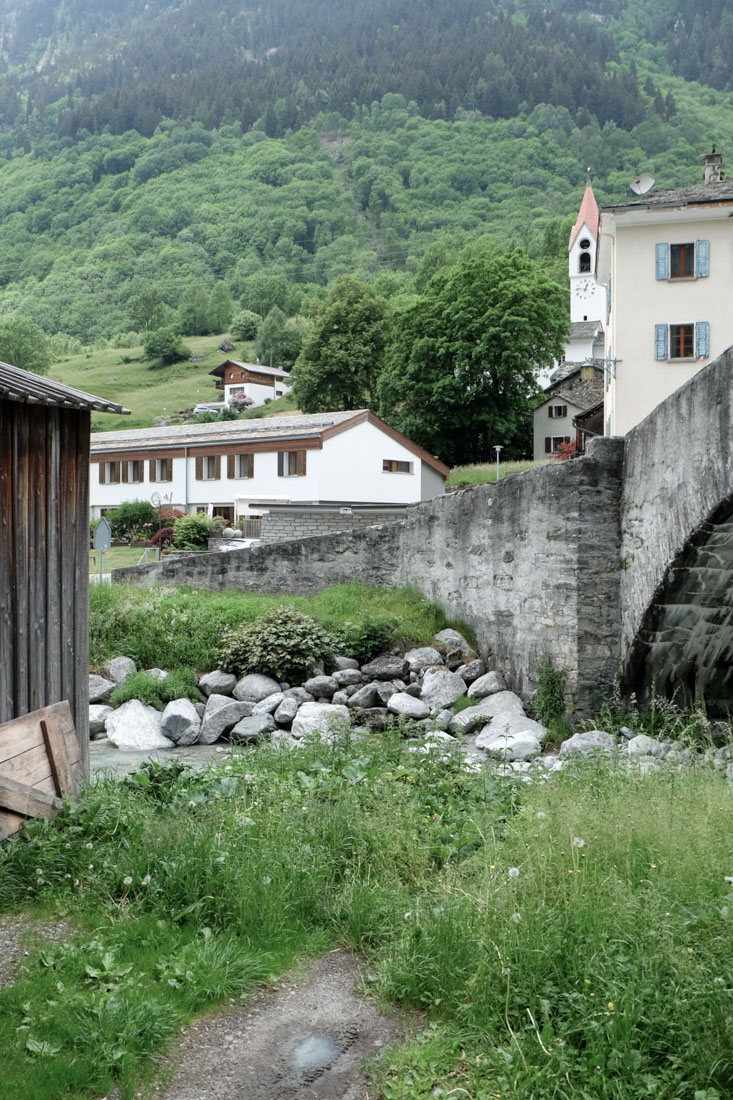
(304, 1039)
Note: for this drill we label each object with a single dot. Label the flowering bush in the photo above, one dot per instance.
(240, 401)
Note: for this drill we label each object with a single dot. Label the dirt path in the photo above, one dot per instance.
(19, 935)
(304, 1039)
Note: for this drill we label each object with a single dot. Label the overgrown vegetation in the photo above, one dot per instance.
(283, 643)
(180, 683)
(183, 627)
(568, 939)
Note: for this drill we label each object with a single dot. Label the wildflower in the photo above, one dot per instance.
(578, 842)
(39, 881)
(513, 872)
(541, 814)
(729, 878)
(516, 917)
(610, 1006)
(408, 915)
(146, 880)
(91, 866)
(127, 880)
(587, 981)
(89, 844)
(690, 950)
(39, 871)
(266, 880)
(652, 865)
(67, 876)
(718, 981)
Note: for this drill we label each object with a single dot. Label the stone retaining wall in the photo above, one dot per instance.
(531, 564)
(296, 523)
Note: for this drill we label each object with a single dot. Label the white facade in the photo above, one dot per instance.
(668, 262)
(346, 457)
(253, 380)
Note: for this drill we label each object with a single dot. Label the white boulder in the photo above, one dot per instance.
(180, 722)
(324, 719)
(407, 705)
(441, 688)
(135, 726)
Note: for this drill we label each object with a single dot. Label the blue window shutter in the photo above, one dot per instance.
(702, 338)
(662, 261)
(702, 259)
(661, 333)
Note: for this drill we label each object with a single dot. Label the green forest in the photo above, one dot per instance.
(178, 167)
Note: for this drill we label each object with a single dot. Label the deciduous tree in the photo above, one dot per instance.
(23, 344)
(343, 352)
(462, 365)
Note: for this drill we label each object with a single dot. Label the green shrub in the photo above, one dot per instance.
(363, 640)
(548, 702)
(133, 519)
(180, 683)
(283, 643)
(165, 345)
(191, 532)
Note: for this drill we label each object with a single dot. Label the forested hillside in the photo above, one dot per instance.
(273, 148)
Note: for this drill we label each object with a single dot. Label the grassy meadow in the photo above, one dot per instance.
(569, 939)
(461, 477)
(121, 375)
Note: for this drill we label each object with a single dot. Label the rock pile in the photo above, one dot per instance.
(441, 694)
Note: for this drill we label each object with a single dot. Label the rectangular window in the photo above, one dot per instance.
(208, 467)
(239, 466)
(110, 473)
(396, 466)
(555, 412)
(160, 469)
(681, 341)
(682, 261)
(291, 464)
(552, 442)
(133, 472)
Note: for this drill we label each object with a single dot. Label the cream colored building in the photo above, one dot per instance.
(667, 262)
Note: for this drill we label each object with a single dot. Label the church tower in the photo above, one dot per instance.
(587, 298)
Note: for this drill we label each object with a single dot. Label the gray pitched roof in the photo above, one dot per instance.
(259, 368)
(583, 330)
(33, 389)
(566, 382)
(681, 196)
(301, 426)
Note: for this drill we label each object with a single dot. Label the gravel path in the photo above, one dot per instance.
(303, 1039)
(18, 934)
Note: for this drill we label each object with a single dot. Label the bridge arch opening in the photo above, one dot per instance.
(684, 647)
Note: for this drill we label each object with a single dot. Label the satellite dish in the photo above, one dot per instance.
(642, 184)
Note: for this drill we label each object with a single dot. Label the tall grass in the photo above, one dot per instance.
(478, 474)
(568, 939)
(182, 627)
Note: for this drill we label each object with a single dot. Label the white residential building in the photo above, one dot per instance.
(667, 260)
(236, 468)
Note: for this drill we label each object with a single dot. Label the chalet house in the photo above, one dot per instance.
(574, 389)
(251, 380)
(238, 468)
(667, 261)
(44, 545)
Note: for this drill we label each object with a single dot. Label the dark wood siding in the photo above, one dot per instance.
(44, 562)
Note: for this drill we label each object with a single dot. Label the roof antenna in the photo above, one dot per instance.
(642, 184)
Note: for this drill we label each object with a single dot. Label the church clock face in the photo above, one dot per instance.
(584, 289)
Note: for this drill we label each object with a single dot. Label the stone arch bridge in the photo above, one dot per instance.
(620, 561)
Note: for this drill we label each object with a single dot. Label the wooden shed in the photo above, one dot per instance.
(44, 546)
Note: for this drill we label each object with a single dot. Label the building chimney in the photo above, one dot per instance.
(713, 163)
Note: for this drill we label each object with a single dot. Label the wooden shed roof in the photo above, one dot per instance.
(33, 389)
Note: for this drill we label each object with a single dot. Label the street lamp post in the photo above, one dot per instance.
(498, 450)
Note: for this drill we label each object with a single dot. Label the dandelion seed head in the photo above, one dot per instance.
(516, 917)
(513, 872)
(127, 880)
(578, 842)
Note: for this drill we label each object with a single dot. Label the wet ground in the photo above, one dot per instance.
(306, 1038)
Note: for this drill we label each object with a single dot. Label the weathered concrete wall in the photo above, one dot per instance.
(678, 470)
(530, 564)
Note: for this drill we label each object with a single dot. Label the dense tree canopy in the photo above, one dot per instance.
(23, 344)
(343, 352)
(462, 365)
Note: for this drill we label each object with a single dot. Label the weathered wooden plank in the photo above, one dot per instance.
(53, 582)
(7, 566)
(10, 823)
(24, 733)
(37, 551)
(22, 799)
(63, 776)
(20, 535)
(66, 522)
(80, 697)
(32, 768)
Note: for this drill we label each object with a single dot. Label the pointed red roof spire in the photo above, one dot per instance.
(588, 213)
